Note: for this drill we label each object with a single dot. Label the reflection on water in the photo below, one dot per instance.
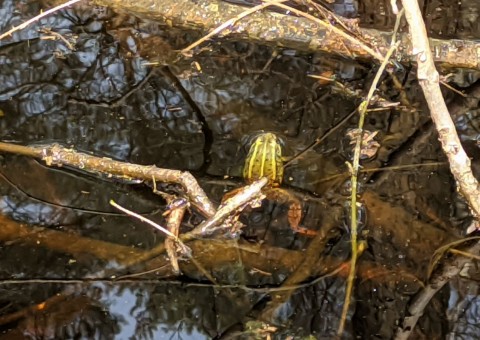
(83, 270)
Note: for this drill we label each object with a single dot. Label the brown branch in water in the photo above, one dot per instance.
(12, 231)
(31, 310)
(59, 156)
(306, 268)
(407, 228)
(437, 282)
(428, 78)
(209, 252)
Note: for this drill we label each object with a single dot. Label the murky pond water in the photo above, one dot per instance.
(75, 267)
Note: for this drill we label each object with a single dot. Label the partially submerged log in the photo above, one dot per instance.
(288, 31)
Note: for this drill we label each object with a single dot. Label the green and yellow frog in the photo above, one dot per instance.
(264, 159)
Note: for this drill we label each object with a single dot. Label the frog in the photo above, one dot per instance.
(265, 159)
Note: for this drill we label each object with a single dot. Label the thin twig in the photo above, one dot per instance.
(184, 249)
(465, 254)
(145, 220)
(386, 168)
(326, 13)
(38, 17)
(55, 35)
(330, 27)
(321, 139)
(230, 22)
(354, 177)
(448, 86)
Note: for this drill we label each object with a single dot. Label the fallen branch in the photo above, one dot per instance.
(288, 31)
(228, 23)
(308, 34)
(301, 33)
(59, 156)
(248, 195)
(421, 300)
(429, 81)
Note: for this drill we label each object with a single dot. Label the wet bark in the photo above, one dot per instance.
(428, 78)
(290, 31)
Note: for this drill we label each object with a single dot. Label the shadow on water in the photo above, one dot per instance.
(64, 248)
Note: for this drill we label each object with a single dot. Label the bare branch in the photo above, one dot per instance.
(429, 81)
(296, 32)
(59, 156)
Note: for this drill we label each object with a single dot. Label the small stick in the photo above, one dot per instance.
(227, 23)
(185, 249)
(38, 17)
(57, 155)
(55, 35)
(174, 220)
(354, 178)
(144, 219)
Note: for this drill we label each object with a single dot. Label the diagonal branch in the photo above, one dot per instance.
(302, 32)
(429, 81)
(59, 156)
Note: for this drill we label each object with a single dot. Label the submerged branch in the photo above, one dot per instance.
(12, 231)
(449, 270)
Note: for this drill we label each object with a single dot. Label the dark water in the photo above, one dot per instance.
(64, 249)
